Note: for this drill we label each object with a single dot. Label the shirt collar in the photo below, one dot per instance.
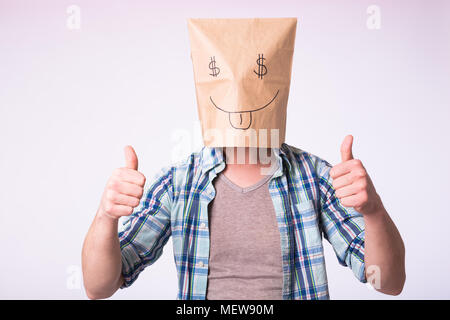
(213, 158)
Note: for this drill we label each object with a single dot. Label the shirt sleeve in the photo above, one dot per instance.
(145, 232)
(342, 226)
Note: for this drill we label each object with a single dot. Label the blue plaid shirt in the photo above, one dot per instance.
(176, 205)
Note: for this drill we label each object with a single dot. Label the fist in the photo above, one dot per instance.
(124, 188)
(352, 184)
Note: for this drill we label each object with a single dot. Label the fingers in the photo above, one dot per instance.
(118, 198)
(117, 210)
(131, 160)
(351, 182)
(346, 148)
(354, 187)
(342, 181)
(121, 197)
(355, 201)
(345, 167)
(126, 188)
(129, 175)
(347, 191)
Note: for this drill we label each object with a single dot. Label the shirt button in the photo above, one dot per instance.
(200, 264)
(202, 225)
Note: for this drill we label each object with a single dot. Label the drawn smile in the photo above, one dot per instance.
(242, 119)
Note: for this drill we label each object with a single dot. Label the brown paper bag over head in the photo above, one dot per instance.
(242, 73)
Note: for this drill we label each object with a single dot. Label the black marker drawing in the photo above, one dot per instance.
(262, 69)
(232, 115)
(213, 67)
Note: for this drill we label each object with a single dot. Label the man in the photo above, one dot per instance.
(109, 263)
(244, 227)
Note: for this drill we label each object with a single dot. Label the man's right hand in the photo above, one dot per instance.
(124, 188)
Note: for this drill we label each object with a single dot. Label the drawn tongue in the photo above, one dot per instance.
(240, 120)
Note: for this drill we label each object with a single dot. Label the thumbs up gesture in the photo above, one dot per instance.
(124, 188)
(352, 184)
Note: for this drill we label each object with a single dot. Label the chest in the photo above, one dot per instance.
(242, 221)
(296, 214)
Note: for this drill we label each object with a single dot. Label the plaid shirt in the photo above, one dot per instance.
(176, 205)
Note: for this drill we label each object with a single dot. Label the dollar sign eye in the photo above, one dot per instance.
(262, 69)
(212, 66)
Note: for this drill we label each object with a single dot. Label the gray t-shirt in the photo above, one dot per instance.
(245, 249)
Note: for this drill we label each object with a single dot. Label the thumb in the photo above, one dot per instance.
(346, 148)
(131, 160)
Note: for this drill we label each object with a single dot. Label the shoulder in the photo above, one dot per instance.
(302, 160)
(178, 172)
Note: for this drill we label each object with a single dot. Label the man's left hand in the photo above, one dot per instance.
(352, 184)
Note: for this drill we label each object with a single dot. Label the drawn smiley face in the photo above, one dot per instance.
(242, 71)
(242, 119)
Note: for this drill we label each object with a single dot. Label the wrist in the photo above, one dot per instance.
(377, 213)
(374, 207)
(104, 217)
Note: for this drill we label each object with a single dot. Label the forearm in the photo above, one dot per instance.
(101, 258)
(384, 253)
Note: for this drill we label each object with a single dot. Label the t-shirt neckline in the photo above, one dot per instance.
(253, 187)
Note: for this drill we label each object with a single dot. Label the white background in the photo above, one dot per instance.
(71, 99)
